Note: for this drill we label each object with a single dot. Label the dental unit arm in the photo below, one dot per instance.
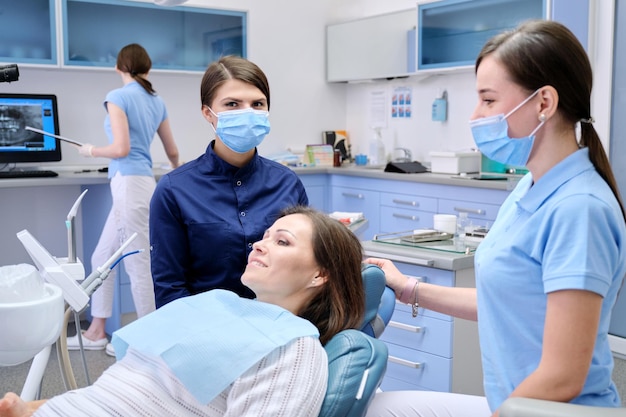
(67, 272)
(66, 275)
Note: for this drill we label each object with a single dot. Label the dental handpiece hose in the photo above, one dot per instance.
(103, 271)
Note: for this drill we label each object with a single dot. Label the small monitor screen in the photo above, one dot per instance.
(20, 145)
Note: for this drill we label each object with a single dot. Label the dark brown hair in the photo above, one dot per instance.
(340, 304)
(232, 68)
(541, 52)
(134, 59)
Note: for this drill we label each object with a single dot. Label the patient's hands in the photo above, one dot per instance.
(395, 279)
(13, 406)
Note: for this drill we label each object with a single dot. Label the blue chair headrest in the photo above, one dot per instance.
(380, 300)
(356, 360)
(356, 365)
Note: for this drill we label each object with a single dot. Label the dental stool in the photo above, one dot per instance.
(356, 359)
(528, 407)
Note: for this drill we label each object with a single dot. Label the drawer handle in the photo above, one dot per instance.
(406, 202)
(407, 327)
(420, 279)
(469, 210)
(404, 362)
(405, 216)
(353, 195)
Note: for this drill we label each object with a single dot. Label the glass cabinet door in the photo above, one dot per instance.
(177, 38)
(452, 32)
(28, 31)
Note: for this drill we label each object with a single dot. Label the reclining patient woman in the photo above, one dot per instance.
(216, 354)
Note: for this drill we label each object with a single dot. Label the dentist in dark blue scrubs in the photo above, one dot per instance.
(205, 215)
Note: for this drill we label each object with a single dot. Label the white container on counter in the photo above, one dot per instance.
(451, 162)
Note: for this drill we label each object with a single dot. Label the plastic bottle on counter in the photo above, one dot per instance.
(377, 152)
(463, 224)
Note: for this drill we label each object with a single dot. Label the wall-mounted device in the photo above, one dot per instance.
(440, 108)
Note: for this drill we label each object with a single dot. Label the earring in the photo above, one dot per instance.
(542, 117)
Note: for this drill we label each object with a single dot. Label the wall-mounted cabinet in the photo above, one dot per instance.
(451, 33)
(371, 48)
(92, 32)
(177, 38)
(436, 36)
(28, 32)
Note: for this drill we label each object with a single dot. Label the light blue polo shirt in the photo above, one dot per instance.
(145, 113)
(564, 232)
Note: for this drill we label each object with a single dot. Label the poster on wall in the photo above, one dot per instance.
(378, 108)
(401, 102)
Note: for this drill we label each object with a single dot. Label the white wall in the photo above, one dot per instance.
(287, 40)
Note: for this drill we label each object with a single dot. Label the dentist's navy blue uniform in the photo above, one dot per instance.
(204, 218)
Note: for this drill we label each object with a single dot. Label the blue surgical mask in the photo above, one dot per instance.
(242, 130)
(491, 135)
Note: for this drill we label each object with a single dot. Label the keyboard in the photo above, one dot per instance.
(28, 174)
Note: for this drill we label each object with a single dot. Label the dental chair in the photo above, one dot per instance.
(528, 407)
(356, 359)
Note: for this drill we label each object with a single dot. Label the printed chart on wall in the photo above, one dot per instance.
(378, 109)
(401, 103)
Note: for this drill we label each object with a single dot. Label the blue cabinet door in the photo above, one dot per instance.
(177, 38)
(28, 32)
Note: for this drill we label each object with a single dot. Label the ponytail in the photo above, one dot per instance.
(147, 85)
(589, 138)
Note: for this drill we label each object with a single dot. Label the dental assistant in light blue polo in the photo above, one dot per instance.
(557, 234)
(549, 270)
(135, 113)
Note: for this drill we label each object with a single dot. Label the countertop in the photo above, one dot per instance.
(80, 175)
(416, 256)
(424, 177)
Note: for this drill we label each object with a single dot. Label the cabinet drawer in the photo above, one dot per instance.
(394, 219)
(419, 368)
(475, 210)
(428, 274)
(358, 200)
(411, 202)
(392, 384)
(421, 333)
(354, 199)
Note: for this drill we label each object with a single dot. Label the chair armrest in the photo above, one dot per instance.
(528, 407)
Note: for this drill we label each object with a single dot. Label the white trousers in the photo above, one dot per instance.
(129, 213)
(427, 404)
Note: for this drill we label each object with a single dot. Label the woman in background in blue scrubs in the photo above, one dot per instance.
(135, 113)
(205, 216)
(550, 268)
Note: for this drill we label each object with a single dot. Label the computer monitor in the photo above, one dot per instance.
(20, 145)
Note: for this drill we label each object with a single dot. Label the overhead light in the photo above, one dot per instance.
(169, 2)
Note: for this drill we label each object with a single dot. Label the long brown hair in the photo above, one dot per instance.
(232, 68)
(134, 59)
(535, 55)
(340, 304)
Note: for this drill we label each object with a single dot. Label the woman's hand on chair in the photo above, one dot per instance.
(394, 278)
